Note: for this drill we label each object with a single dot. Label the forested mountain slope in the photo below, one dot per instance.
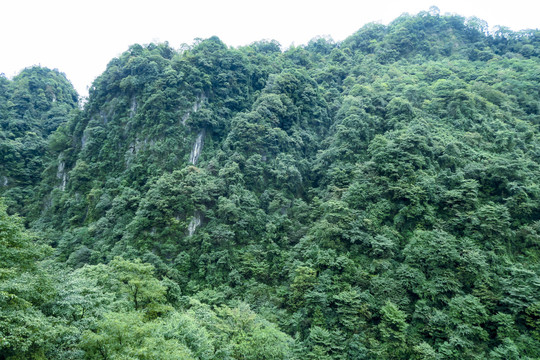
(376, 198)
(32, 106)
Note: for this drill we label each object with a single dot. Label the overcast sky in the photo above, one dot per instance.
(80, 37)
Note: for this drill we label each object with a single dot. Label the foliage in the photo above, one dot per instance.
(375, 198)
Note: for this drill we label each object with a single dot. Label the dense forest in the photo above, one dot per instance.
(374, 198)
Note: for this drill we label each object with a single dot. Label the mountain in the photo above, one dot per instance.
(32, 106)
(374, 198)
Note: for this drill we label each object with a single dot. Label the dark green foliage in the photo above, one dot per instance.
(32, 106)
(375, 198)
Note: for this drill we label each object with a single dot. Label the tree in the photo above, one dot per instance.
(392, 328)
(24, 287)
(137, 281)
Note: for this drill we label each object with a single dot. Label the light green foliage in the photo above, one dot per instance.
(303, 281)
(251, 337)
(126, 335)
(392, 329)
(136, 281)
(24, 329)
(198, 333)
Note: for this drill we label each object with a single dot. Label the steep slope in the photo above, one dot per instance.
(32, 106)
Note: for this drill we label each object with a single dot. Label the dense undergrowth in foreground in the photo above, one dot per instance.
(376, 198)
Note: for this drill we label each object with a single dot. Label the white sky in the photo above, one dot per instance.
(80, 37)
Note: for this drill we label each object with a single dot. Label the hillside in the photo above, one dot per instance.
(376, 198)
